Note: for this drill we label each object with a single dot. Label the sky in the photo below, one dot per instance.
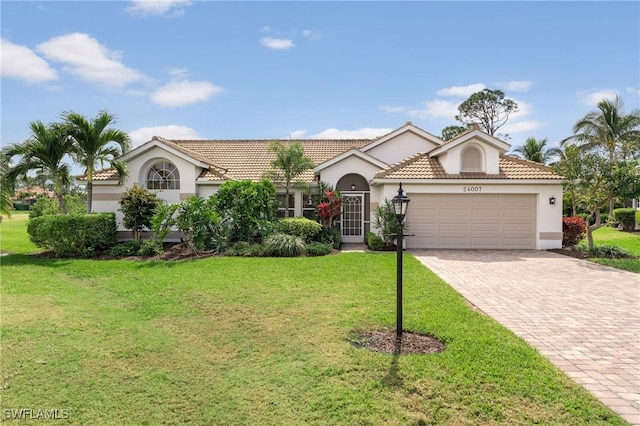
(185, 69)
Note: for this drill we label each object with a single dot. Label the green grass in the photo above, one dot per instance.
(625, 240)
(261, 341)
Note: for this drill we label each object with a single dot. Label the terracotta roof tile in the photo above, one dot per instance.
(105, 174)
(421, 166)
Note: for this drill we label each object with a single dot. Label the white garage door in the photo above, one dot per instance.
(497, 221)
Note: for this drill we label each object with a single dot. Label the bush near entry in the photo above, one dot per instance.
(626, 218)
(574, 230)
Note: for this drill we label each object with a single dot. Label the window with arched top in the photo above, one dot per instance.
(163, 175)
(471, 160)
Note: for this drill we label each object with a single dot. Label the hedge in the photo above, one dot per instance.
(302, 227)
(626, 218)
(75, 234)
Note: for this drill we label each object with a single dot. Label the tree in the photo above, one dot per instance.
(94, 143)
(451, 132)
(609, 130)
(487, 108)
(534, 150)
(44, 151)
(289, 163)
(569, 166)
(138, 207)
(5, 192)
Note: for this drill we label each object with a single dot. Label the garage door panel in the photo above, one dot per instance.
(472, 221)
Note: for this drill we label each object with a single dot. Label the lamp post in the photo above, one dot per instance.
(400, 205)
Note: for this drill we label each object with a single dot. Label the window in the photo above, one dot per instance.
(471, 160)
(309, 206)
(163, 175)
(281, 205)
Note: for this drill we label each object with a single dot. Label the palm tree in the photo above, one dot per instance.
(44, 151)
(611, 130)
(534, 150)
(289, 163)
(96, 144)
(5, 197)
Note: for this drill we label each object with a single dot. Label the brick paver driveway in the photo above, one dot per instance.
(584, 317)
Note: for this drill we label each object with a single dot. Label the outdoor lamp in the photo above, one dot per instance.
(353, 186)
(552, 200)
(400, 204)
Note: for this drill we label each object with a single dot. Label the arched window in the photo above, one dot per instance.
(471, 160)
(163, 175)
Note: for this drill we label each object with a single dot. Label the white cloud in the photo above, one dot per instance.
(362, 133)
(461, 91)
(277, 43)
(515, 86)
(520, 127)
(395, 109)
(436, 108)
(297, 134)
(633, 90)
(22, 63)
(311, 35)
(172, 131)
(524, 109)
(88, 59)
(180, 93)
(592, 98)
(169, 8)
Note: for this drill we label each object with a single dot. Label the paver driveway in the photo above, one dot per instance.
(584, 317)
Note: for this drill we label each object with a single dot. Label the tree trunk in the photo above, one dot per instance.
(590, 228)
(286, 201)
(59, 193)
(611, 208)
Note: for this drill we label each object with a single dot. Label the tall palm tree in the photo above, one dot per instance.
(289, 163)
(608, 129)
(611, 130)
(534, 150)
(44, 151)
(95, 144)
(5, 197)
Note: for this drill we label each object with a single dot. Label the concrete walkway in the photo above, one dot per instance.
(584, 317)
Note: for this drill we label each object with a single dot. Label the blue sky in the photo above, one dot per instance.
(215, 70)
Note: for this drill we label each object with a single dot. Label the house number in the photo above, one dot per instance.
(471, 189)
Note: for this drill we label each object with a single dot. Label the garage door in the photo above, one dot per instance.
(497, 221)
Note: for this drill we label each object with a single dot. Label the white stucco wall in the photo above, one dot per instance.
(401, 147)
(353, 164)
(451, 160)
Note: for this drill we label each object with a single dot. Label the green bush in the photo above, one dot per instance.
(318, 249)
(125, 248)
(609, 252)
(626, 218)
(375, 242)
(200, 224)
(75, 203)
(20, 206)
(149, 248)
(248, 209)
(137, 205)
(638, 218)
(302, 227)
(329, 235)
(386, 223)
(245, 249)
(283, 245)
(75, 234)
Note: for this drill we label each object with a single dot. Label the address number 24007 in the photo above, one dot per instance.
(471, 189)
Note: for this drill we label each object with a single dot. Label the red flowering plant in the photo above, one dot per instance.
(330, 207)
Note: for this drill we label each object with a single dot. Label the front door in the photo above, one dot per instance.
(352, 218)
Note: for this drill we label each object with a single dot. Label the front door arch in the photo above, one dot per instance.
(354, 221)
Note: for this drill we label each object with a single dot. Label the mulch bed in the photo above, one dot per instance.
(386, 341)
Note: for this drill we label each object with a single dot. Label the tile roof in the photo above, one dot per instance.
(105, 174)
(250, 158)
(421, 166)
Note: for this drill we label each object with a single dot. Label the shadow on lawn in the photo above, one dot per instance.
(27, 259)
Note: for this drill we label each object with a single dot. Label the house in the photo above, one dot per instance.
(465, 192)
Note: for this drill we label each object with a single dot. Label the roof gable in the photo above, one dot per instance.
(157, 142)
(351, 153)
(473, 133)
(408, 127)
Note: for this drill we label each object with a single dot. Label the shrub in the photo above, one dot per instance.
(200, 224)
(75, 234)
(125, 248)
(637, 218)
(245, 249)
(20, 206)
(149, 248)
(573, 231)
(283, 245)
(626, 218)
(162, 222)
(302, 227)
(375, 242)
(137, 205)
(386, 223)
(329, 235)
(248, 209)
(609, 252)
(76, 204)
(329, 208)
(318, 249)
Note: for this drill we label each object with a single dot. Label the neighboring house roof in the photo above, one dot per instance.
(422, 166)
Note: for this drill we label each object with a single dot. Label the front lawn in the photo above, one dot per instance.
(262, 341)
(625, 240)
